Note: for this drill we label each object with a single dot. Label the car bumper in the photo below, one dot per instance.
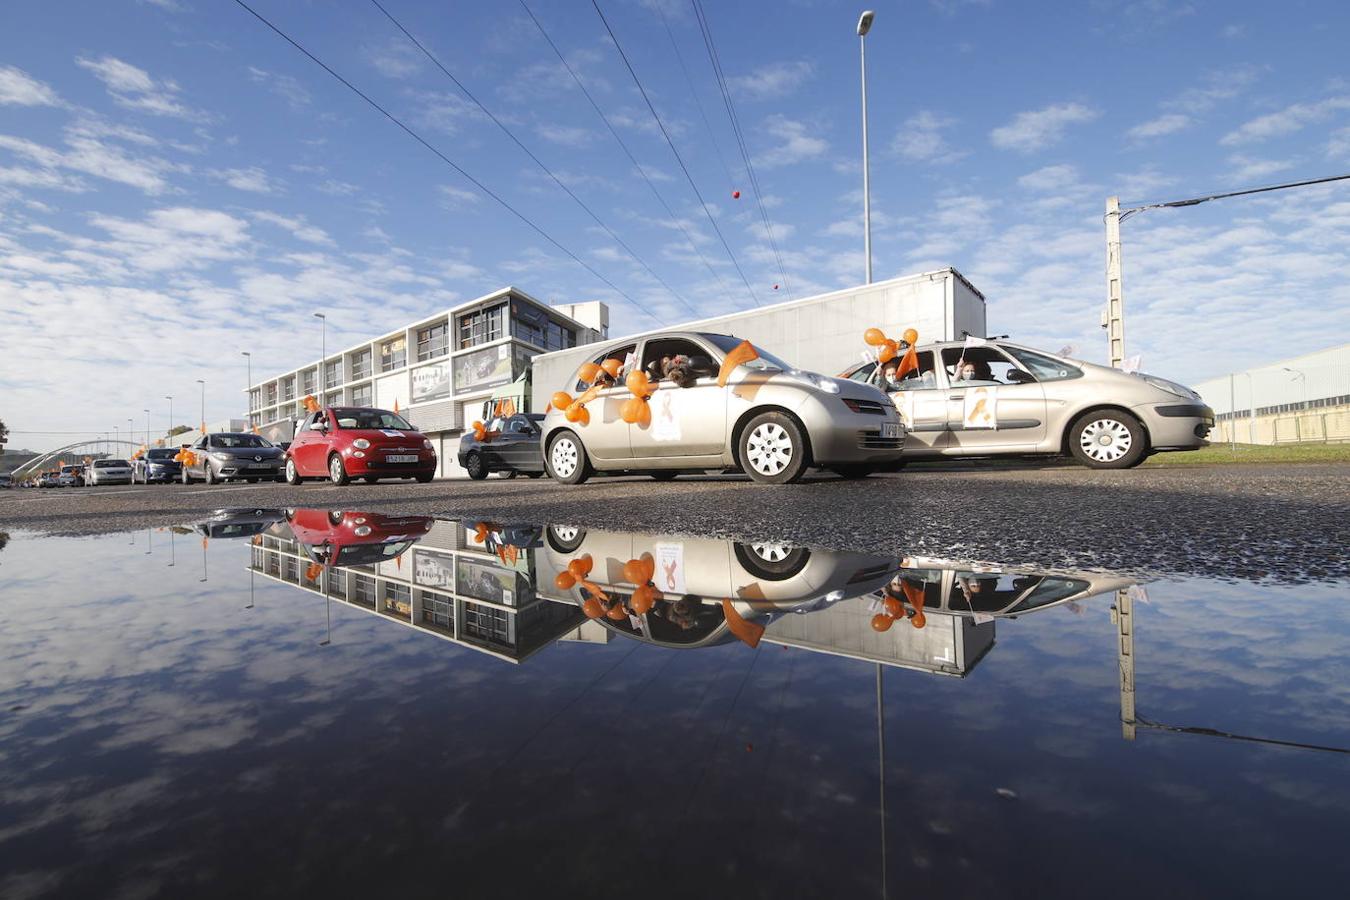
(375, 465)
(249, 468)
(112, 479)
(1179, 425)
(851, 438)
(163, 473)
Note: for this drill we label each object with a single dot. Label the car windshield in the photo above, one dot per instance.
(161, 454)
(370, 419)
(251, 441)
(111, 463)
(726, 343)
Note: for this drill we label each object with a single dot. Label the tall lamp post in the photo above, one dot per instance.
(1298, 419)
(864, 26)
(323, 352)
(203, 384)
(248, 389)
(170, 428)
(147, 429)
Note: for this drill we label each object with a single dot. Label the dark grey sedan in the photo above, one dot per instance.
(225, 456)
(510, 446)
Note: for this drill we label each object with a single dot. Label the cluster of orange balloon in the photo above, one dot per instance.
(638, 410)
(313, 571)
(185, 456)
(311, 405)
(482, 434)
(594, 375)
(890, 349)
(893, 608)
(575, 575)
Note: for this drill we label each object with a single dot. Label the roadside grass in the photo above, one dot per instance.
(1220, 454)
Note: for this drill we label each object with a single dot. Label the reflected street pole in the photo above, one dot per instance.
(173, 558)
(881, 773)
(1123, 616)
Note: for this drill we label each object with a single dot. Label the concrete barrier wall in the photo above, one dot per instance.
(1330, 425)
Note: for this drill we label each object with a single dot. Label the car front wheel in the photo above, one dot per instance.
(187, 479)
(773, 449)
(337, 472)
(209, 474)
(566, 459)
(292, 473)
(1107, 440)
(475, 466)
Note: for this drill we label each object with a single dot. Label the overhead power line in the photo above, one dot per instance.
(537, 161)
(1195, 201)
(679, 222)
(693, 92)
(716, 61)
(445, 159)
(671, 143)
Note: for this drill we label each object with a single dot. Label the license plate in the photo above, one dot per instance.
(401, 458)
(260, 465)
(890, 429)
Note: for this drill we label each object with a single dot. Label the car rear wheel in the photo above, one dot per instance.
(566, 459)
(771, 560)
(426, 478)
(370, 479)
(1107, 440)
(475, 466)
(773, 449)
(292, 473)
(664, 475)
(853, 471)
(564, 538)
(337, 472)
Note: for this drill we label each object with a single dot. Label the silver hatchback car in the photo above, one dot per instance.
(1004, 399)
(769, 420)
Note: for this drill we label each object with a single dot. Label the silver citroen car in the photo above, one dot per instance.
(770, 420)
(1004, 399)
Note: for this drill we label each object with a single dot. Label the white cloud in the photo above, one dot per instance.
(566, 135)
(297, 226)
(1050, 178)
(1168, 123)
(396, 58)
(1286, 121)
(91, 156)
(773, 80)
(175, 238)
(18, 88)
(133, 88)
(794, 143)
(251, 179)
(456, 198)
(920, 138)
(1338, 147)
(1247, 168)
(290, 89)
(1039, 128)
(445, 112)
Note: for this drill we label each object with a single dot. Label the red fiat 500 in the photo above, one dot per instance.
(346, 442)
(337, 538)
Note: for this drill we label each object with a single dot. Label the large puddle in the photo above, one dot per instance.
(285, 703)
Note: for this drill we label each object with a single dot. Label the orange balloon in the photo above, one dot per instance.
(882, 623)
(612, 367)
(634, 572)
(919, 619)
(640, 384)
(631, 411)
(575, 412)
(583, 416)
(589, 372)
(617, 613)
(889, 351)
(911, 336)
(874, 336)
(564, 581)
(581, 566)
(592, 608)
(894, 608)
(561, 400)
(643, 599)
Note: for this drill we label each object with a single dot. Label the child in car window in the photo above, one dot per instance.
(886, 379)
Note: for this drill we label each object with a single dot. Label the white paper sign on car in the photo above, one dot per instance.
(904, 404)
(981, 408)
(666, 404)
(670, 568)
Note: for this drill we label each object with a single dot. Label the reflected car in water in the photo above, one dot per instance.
(1001, 398)
(237, 523)
(232, 456)
(156, 465)
(108, 471)
(342, 538)
(510, 446)
(770, 420)
(345, 442)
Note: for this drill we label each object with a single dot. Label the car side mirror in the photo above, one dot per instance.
(1017, 376)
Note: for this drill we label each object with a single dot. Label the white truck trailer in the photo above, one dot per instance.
(822, 334)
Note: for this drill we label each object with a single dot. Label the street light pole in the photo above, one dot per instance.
(147, 429)
(170, 428)
(323, 352)
(865, 25)
(248, 389)
(203, 384)
(1251, 409)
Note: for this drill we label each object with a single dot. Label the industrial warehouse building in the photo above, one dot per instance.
(439, 370)
(1303, 398)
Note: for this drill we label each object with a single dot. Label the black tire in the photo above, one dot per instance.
(370, 479)
(337, 471)
(509, 474)
(564, 538)
(475, 466)
(252, 480)
(292, 474)
(426, 479)
(208, 473)
(576, 467)
(533, 474)
(663, 475)
(852, 472)
(774, 449)
(769, 561)
(1108, 439)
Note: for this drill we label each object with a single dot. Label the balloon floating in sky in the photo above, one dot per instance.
(775, 287)
(735, 195)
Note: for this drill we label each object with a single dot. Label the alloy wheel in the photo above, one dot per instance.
(564, 457)
(1105, 440)
(769, 448)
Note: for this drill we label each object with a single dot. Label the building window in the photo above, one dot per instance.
(361, 365)
(272, 394)
(532, 325)
(332, 374)
(362, 396)
(393, 354)
(433, 341)
(253, 400)
(288, 389)
(307, 381)
(482, 326)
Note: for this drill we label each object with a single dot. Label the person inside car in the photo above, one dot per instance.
(886, 379)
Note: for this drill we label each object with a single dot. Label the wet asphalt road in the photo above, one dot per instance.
(1290, 523)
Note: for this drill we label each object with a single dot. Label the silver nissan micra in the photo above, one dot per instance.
(769, 420)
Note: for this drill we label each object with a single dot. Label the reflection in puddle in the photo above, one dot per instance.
(234, 707)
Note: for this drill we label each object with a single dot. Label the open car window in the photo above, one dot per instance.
(672, 358)
(977, 366)
(625, 355)
(924, 378)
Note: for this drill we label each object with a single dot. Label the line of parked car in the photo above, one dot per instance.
(718, 407)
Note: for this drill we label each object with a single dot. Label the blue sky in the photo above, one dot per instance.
(177, 184)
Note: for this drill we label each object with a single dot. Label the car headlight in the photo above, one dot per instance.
(819, 382)
(361, 444)
(361, 530)
(221, 457)
(358, 454)
(1171, 387)
(428, 444)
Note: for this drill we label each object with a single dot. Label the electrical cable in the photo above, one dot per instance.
(445, 159)
(1195, 201)
(671, 143)
(718, 73)
(689, 80)
(679, 222)
(537, 161)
